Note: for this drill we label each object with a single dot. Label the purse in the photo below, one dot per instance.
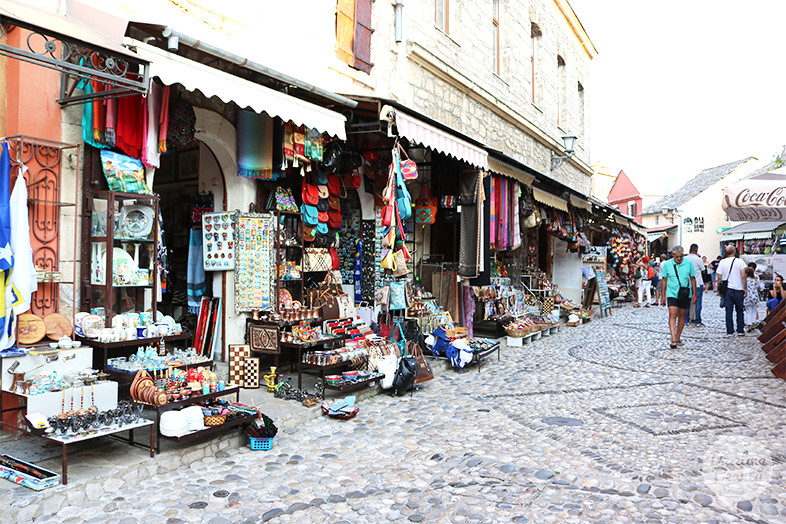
(723, 285)
(397, 295)
(683, 293)
(317, 259)
(401, 268)
(425, 206)
(409, 169)
(388, 261)
(310, 193)
(403, 198)
(424, 373)
(310, 214)
(382, 297)
(385, 324)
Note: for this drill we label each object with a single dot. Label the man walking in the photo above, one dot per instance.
(695, 308)
(678, 287)
(732, 271)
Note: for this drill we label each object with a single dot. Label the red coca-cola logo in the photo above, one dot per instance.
(773, 198)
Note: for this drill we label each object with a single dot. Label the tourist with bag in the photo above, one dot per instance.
(733, 287)
(678, 290)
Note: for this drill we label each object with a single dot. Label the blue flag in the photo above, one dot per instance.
(6, 255)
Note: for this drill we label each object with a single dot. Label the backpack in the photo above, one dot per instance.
(405, 375)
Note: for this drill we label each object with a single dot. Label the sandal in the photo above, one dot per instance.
(679, 343)
(673, 345)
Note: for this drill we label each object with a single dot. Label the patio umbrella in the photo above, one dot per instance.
(759, 198)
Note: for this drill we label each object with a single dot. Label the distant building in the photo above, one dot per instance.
(602, 181)
(693, 213)
(625, 196)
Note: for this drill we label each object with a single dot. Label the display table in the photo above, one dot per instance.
(129, 346)
(51, 403)
(65, 440)
(230, 423)
(300, 346)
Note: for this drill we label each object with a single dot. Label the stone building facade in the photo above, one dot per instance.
(450, 75)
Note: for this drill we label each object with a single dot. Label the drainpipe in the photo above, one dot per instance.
(174, 39)
(399, 20)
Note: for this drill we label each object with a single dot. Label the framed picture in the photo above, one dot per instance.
(188, 164)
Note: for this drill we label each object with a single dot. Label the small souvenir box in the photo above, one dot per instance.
(25, 479)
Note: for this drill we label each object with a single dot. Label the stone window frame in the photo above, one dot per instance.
(353, 33)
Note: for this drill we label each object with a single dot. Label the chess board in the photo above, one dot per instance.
(237, 356)
(251, 372)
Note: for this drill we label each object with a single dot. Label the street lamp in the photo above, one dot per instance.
(570, 143)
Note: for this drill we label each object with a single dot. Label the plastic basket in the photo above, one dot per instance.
(260, 444)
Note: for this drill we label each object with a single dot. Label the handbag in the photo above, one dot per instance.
(316, 259)
(448, 202)
(424, 373)
(406, 372)
(385, 324)
(403, 198)
(397, 336)
(310, 193)
(683, 293)
(310, 214)
(346, 307)
(425, 206)
(400, 268)
(352, 179)
(388, 365)
(397, 295)
(382, 297)
(723, 285)
(409, 169)
(365, 312)
(388, 261)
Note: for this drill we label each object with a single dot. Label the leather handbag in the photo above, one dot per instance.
(334, 219)
(310, 214)
(335, 186)
(425, 206)
(352, 179)
(317, 259)
(424, 373)
(334, 203)
(310, 193)
(409, 169)
(401, 268)
(385, 324)
(323, 192)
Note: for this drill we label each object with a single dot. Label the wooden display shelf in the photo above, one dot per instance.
(100, 357)
(230, 423)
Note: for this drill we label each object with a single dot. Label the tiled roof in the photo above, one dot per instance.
(694, 186)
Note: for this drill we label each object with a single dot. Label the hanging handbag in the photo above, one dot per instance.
(382, 297)
(401, 268)
(310, 193)
(425, 206)
(397, 336)
(403, 198)
(353, 179)
(385, 324)
(388, 261)
(316, 259)
(424, 373)
(409, 169)
(310, 214)
(397, 295)
(447, 202)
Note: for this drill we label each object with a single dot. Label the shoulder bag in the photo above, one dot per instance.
(424, 373)
(425, 206)
(683, 293)
(723, 285)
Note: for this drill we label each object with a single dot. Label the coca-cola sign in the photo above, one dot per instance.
(756, 200)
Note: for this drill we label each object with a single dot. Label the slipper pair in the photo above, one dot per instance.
(674, 345)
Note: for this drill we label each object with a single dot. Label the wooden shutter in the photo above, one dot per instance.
(345, 31)
(363, 30)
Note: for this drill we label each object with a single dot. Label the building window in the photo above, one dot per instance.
(562, 96)
(353, 33)
(581, 112)
(632, 209)
(495, 22)
(698, 224)
(442, 14)
(535, 34)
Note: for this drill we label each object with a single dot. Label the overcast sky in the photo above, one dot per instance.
(679, 86)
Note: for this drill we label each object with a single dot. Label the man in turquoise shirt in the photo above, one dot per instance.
(676, 273)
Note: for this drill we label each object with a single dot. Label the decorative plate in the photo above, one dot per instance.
(136, 221)
(92, 326)
(284, 298)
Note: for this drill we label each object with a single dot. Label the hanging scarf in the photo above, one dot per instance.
(493, 212)
(163, 120)
(502, 232)
(515, 229)
(254, 145)
(6, 254)
(130, 113)
(195, 275)
(110, 127)
(182, 122)
(87, 118)
(150, 154)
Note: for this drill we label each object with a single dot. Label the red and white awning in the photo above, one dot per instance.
(760, 198)
(442, 141)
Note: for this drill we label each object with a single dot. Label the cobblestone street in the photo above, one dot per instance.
(599, 423)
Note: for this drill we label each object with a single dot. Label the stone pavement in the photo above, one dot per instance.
(599, 423)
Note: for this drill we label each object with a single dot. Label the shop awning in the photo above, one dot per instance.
(622, 221)
(747, 236)
(759, 198)
(174, 69)
(751, 231)
(547, 199)
(84, 43)
(652, 237)
(429, 136)
(580, 203)
(503, 168)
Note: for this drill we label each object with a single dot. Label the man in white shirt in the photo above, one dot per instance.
(695, 308)
(732, 271)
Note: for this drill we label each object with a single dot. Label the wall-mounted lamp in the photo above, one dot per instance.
(570, 143)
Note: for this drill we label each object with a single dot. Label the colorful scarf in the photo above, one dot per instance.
(493, 213)
(110, 128)
(254, 145)
(130, 113)
(163, 120)
(150, 154)
(515, 229)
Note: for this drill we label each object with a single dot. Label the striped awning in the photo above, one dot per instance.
(580, 203)
(501, 168)
(433, 138)
(547, 199)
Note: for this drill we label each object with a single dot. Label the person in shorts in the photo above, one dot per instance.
(675, 273)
